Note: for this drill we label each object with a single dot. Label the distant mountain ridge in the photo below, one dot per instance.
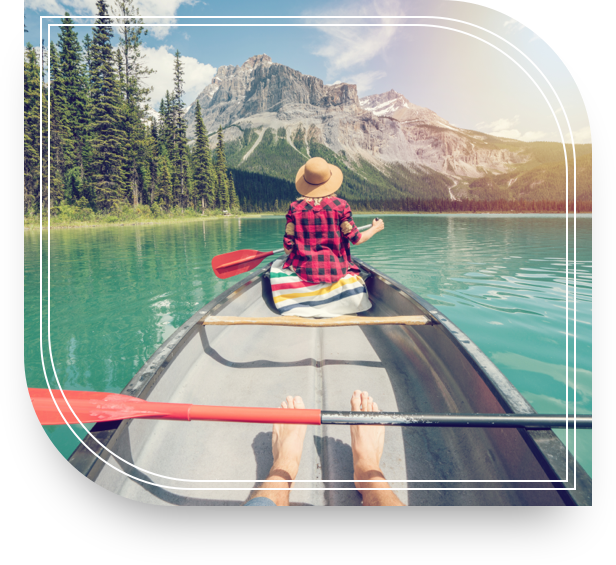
(393, 105)
(383, 138)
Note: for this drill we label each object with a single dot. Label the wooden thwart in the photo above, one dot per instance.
(316, 322)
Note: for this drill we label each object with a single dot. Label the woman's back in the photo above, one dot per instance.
(318, 234)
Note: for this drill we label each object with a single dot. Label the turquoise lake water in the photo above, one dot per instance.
(117, 293)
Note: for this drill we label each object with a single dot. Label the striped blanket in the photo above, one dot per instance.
(294, 297)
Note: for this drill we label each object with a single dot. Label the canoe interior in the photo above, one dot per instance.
(419, 369)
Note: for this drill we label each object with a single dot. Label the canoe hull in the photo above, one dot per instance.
(414, 369)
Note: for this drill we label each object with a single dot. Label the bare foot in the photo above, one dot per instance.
(367, 442)
(288, 442)
(287, 445)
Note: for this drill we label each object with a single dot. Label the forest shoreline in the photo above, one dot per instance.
(162, 221)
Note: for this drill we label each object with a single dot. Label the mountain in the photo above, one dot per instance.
(394, 105)
(275, 118)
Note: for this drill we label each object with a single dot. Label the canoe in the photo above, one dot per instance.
(428, 368)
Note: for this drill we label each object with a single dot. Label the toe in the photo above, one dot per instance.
(284, 404)
(364, 401)
(290, 401)
(375, 408)
(298, 402)
(356, 400)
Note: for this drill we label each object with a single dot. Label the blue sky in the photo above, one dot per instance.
(462, 78)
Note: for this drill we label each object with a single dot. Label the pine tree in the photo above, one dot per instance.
(150, 180)
(166, 118)
(32, 101)
(108, 139)
(234, 202)
(222, 182)
(131, 34)
(180, 153)
(73, 77)
(87, 54)
(165, 188)
(61, 142)
(190, 180)
(86, 149)
(204, 174)
(135, 96)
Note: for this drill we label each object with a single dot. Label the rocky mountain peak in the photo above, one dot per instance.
(394, 105)
(380, 129)
(252, 62)
(261, 86)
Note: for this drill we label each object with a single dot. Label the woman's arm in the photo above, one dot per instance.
(289, 233)
(377, 226)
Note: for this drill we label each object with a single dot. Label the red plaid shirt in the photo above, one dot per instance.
(320, 250)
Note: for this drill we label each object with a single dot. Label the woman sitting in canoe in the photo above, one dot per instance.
(318, 278)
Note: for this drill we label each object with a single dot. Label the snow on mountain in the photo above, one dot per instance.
(394, 105)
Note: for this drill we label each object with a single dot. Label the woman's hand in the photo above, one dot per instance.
(377, 225)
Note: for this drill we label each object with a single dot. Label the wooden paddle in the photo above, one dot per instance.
(228, 265)
(87, 407)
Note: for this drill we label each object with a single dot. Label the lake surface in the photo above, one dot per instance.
(117, 293)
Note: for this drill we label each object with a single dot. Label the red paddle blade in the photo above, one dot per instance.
(89, 407)
(230, 264)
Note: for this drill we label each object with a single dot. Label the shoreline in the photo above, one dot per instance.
(130, 223)
(282, 215)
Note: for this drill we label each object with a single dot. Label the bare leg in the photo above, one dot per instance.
(287, 445)
(367, 443)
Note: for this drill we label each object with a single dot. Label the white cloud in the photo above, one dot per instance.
(196, 75)
(504, 127)
(581, 135)
(164, 8)
(58, 7)
(346, 47)
(498, 125)
(511, 133)
(532, 136)
(364, 81)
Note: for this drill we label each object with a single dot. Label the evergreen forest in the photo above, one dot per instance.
(107, 151)
(112, 157)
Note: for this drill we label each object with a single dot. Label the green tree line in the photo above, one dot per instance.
(106, 149)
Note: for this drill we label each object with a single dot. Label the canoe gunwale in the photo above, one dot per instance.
(545, 444)
(508, 396)
(91, 454)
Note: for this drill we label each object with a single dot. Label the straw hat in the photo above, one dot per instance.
(317, 178)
